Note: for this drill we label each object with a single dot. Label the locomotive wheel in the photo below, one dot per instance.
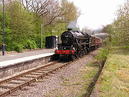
(55, 57)
(84, 53)
(73, 57)
(80, 54)
(76, 55)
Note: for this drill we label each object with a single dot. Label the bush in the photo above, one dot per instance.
(30, 44)
(102, 54)
(18, 47)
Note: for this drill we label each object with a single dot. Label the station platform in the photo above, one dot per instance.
(25, 54)
(17, 62)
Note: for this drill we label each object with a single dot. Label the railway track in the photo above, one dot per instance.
(19, 81)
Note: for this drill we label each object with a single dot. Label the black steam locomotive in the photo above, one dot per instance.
(75, 44)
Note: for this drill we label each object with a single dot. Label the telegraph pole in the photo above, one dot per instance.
(3, 27)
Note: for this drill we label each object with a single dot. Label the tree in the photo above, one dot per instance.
(21, 24)
(122, 24)
(119, 30)
(24, 19)
(69, 10)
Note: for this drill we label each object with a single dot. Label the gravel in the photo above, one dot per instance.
(56, 84)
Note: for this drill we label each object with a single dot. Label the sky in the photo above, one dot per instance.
(97, 13)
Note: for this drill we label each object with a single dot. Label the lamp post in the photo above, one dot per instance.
(3, 27)
(41, 35)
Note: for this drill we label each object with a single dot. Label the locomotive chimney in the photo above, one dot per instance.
(69, 29)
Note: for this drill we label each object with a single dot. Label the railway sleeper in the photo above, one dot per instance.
(45, 69)
(22, 79)
(4, 94)
(9, 84)
(19, 81)
(3, 90)
(35, 73)
(49, 68)
(44, 72)
(40, 72)
(29, 76)
(6, 87)
(14, 82)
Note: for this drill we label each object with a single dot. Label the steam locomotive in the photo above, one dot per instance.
(75, 44)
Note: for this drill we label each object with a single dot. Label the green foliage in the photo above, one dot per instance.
(30, 44)
(23, 26)
(102, 54)
(55, 29)
(114, 81)
(21, 21)
(119, 30)
(18, 47)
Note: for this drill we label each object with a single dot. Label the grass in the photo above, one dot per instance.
(102, 55)
(114, 81)
(87, 76)
(79, 86)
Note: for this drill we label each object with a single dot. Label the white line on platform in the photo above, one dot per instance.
(24, 59)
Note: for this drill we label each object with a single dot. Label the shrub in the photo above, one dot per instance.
(102, 54)
(30, 44)
(18, 47)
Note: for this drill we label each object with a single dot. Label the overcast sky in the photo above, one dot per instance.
(96, 13)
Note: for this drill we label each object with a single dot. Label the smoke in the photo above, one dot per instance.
(73, 25)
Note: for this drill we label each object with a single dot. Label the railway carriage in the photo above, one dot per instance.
(95, 42)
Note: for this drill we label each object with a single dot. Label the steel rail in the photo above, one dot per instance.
(29, 77)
